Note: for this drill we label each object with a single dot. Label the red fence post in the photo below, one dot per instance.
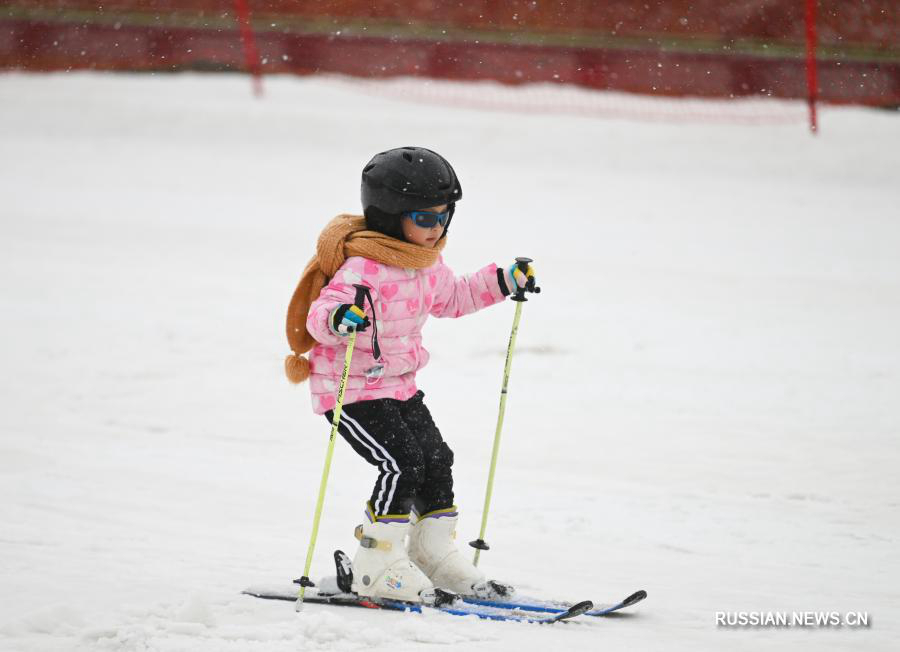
(812, 83)
(248, 41)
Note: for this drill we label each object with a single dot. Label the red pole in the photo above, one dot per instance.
(812, 84)
(248, 41)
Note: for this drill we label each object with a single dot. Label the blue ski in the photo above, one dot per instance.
(458, 607)
(554, 606)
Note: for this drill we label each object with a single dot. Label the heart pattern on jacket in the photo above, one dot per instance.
(404, 299)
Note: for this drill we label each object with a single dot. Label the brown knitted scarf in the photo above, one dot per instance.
(344, 236)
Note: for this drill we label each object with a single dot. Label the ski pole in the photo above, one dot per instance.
(479, 544)
(335, 420)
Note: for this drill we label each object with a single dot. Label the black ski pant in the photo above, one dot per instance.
(400, 439)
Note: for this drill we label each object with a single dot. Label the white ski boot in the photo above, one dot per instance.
(381, 567)
(431, 548)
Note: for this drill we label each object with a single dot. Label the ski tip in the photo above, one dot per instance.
(577, 609)
(635, 597)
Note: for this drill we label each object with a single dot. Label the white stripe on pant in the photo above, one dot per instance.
(387, 460)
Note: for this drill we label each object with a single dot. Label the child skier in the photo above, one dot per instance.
(409, 196)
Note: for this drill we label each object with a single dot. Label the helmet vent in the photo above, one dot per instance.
(368, 167)
(407, 156)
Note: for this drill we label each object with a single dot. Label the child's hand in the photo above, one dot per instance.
(515, 279)
(347, 318)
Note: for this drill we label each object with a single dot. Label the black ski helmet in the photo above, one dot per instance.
(406, 179)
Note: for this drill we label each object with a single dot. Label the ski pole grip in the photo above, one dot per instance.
(522, 263)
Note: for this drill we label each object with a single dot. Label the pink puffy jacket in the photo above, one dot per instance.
(403, 299)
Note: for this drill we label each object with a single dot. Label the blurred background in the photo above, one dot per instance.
(835, 51)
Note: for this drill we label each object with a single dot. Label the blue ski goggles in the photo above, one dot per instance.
(427, 219)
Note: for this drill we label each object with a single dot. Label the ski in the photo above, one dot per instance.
(458, 607)
(503, 603)
(523, 603)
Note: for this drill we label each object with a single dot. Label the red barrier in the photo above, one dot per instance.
(702, 48)
(872, 23)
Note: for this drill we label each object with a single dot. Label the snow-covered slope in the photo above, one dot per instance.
(704, 402)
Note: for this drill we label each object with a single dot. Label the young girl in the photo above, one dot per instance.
(409, 196)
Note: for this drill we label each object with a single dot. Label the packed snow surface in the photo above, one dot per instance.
(704, 402)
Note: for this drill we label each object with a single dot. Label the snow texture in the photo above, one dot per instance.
(715, 420)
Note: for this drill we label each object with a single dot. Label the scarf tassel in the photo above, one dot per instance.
(296, 367)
